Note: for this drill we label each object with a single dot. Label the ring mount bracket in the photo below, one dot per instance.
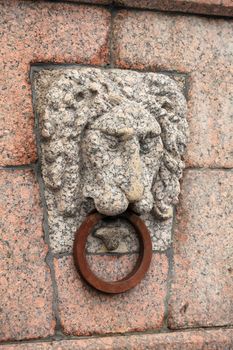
(134, 277)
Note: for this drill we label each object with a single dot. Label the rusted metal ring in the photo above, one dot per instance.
(139, 270)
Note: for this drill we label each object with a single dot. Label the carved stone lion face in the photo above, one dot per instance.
(109, 139)
(121, 153)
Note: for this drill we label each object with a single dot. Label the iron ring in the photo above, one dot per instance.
(139, 270)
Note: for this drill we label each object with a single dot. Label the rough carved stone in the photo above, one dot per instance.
(109, 139)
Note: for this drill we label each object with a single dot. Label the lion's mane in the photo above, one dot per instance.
(68, 102)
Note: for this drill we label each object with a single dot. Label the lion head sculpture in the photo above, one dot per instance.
(115, 138)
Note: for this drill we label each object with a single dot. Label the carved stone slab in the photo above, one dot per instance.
(109, 139)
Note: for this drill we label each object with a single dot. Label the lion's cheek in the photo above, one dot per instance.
(145, 205)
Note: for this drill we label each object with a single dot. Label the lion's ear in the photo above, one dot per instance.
(163, 215)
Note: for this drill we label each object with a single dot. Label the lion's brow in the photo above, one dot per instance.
(129, 132)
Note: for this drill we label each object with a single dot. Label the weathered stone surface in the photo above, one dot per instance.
(99, 2)
(25, 285)
(211, 7)
(220, 339)
(128, 242)
(202, 289)
(84, 310)
(112, 236)
(110, 139)
(195, 45)
(39, 31)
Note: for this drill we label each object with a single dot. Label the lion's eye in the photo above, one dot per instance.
(144, 147)
(147, 143)
(113, 142)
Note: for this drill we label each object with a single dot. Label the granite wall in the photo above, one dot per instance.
(186, 300)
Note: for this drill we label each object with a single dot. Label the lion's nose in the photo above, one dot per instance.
(135, 188)
(135, 192)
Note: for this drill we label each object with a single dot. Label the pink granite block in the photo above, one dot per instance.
(38, 31)
(25, 284)
(202, 288)
(83, 310)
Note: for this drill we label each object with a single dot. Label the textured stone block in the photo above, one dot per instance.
(196, 340)
(25, 285)
(84, 310)
(99, 2)
(114, 141)
(40, 32)
(202, 288)
(211, 7)
(155, 41)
